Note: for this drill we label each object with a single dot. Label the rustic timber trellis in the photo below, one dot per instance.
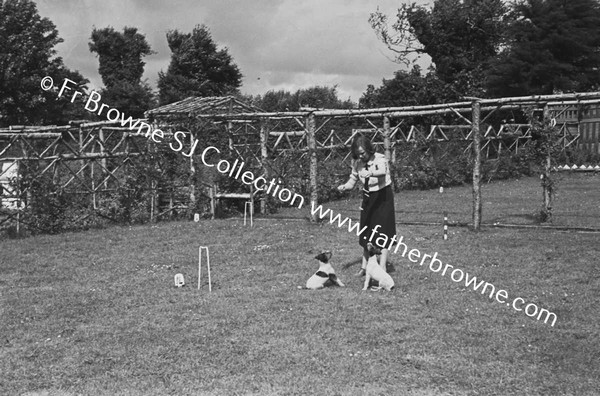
(80, 158)
(90, 158)
(312, 137)
(182, 114)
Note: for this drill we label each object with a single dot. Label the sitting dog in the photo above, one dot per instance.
(325, 276)
(375, 272)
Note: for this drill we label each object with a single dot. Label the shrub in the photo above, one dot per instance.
(425, 165)
(46, 205)
(578, 156)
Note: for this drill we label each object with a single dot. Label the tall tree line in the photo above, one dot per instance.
(27, 55)
(490, 48)
(485, 48)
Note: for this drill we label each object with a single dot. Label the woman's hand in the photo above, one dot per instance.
(363, 173)
(342, 187)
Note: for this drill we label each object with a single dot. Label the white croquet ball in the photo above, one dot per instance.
(179, 282)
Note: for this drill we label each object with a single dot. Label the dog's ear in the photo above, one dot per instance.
(373, 250)
(323, 257)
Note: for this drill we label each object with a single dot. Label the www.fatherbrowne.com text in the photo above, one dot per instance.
(435, 265)
(94, 105)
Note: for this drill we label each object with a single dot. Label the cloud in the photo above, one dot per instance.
(277, 44)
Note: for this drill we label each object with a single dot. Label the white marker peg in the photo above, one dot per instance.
(179, 282)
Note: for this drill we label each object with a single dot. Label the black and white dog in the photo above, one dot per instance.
(325, 276)
(376, 272)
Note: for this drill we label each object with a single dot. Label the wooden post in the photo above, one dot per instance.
(103, 160)
(192, 207)
(547, 177)
(152, 202)
(154, 207)
(92, 175)
(81, 161)
(251, 201)
(386, 137)
(387, 144)
(230, 136)
(213, 206)
(312, 151)
(476, 131)
(94, 205)
(27, 165)
(264, 158)
(580, 130)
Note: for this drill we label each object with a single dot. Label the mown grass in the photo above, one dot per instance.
(97, 313)
(514, 202)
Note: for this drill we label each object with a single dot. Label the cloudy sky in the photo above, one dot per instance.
(277, 44)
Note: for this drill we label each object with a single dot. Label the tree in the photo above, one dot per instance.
(460, 36)
(315, 97)
(27, 52)
(554, 47)
(408, 89)
(121, 68)
(131, 99)
(120, 55)
(197, 68)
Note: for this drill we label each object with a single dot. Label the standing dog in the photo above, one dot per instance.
(325, 276)
(374, 271)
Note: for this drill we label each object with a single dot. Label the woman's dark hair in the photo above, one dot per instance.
(362, 141)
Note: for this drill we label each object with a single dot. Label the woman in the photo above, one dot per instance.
(377, 209)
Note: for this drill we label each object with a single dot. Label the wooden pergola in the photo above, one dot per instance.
(471, 115)
(87, 157)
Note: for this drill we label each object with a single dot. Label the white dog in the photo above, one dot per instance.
(325, 276)
(374, 271)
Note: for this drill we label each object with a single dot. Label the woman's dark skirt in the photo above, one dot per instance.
(378, 208)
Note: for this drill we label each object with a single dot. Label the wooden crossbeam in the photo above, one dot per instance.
(75, 157)
(25, 143)
(330, 136)
(514, 129)
(278, 140)
(52, 163)
(29, 135)
(289, 133)
(322, 125)
(75, 176)
(490, 132)
(412, 135)
(287, 138)
(50, 146)
(9, 145)
(437, 128)
(108, 176)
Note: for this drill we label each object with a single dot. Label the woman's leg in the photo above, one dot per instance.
(383, 259)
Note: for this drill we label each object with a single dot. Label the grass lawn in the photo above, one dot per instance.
(576, 202)
(97, 313)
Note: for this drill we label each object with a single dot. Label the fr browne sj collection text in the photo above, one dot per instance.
(94, 105)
